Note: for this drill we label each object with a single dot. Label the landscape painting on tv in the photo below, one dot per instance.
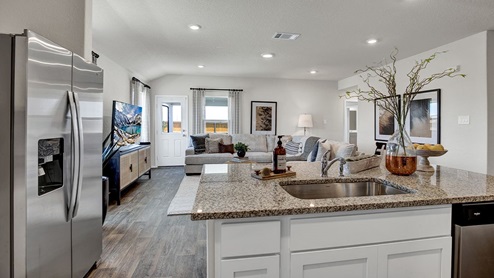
(126, 123)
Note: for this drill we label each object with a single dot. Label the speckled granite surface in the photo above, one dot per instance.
(228, 191)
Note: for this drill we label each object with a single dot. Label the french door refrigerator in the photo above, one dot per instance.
(50, 159)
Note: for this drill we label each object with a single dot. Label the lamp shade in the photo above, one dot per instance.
(305, 120)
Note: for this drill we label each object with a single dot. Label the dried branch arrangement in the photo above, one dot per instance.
(386, 73)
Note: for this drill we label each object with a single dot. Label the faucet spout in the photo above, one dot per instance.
(325, 165)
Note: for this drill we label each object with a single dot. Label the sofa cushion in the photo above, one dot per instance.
(296, 157)
(208, 158)
(261, 157)
(226, 138)
(226, 148)
(256, 143)
(213, 145)
(199, 142)
(292, 147)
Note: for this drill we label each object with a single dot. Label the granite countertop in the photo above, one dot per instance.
(228, 191)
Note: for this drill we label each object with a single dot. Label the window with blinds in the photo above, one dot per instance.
(216, 114)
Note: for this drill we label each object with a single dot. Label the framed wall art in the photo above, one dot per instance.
(263, 117)
(384, 122)
(423, 121)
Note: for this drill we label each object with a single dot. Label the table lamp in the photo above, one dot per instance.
(305, 121)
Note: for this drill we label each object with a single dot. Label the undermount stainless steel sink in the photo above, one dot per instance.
(340, 188)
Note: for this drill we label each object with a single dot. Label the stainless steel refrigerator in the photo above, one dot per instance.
(51, 114)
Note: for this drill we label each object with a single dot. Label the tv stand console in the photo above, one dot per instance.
(126, 166)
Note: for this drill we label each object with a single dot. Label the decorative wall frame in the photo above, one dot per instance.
(384, 122)
(423, 122)
(263, 115)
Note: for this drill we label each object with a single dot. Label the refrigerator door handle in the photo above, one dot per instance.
(80, 154)
(74, 154)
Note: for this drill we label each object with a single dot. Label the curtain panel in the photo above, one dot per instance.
(234, 111)
(140, 96)
(198, 102)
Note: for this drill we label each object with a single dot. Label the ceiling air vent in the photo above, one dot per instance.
(286, 36)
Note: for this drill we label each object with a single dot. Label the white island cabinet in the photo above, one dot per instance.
(412, 242)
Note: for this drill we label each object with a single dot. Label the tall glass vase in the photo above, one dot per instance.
(401, 158)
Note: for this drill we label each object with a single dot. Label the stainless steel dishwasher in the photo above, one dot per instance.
(473, 235)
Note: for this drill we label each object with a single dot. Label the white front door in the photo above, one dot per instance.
(171, 130)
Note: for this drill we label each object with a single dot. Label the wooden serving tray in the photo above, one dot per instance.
(273, 175)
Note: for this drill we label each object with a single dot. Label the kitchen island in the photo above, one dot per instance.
(257, 229)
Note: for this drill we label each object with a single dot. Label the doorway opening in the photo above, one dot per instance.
(351, 122)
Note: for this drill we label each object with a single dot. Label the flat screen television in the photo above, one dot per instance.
(126, 123)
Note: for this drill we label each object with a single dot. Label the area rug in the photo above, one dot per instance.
(183, 201)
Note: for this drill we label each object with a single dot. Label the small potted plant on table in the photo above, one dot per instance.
(241, 149)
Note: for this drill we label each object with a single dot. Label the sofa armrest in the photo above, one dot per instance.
(189, 151)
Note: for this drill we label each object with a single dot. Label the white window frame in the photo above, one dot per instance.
(216, 121)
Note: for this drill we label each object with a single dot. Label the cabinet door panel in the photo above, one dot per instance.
(258, 267)
(128, 168)
(148, 159)
(125, 174)
(429, 258)
(355, 262)
(134, 169)
(144, 160)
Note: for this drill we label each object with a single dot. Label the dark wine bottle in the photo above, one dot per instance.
(279, 158)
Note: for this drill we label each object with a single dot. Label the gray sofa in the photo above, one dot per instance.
(261, 147)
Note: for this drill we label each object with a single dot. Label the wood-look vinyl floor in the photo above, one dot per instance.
(140, 240)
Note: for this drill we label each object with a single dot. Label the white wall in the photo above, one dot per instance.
(466, 144)
(293, 97)
(116, 86)
(61, 21)
(490, 103)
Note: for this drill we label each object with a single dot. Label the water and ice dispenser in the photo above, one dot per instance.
(50, 165)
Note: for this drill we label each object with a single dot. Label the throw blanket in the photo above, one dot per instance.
(309, 145)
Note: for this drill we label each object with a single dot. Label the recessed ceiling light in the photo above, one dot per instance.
(372, 41)
(267, 55)
(195, 27)
(313, 71)
(200, 66)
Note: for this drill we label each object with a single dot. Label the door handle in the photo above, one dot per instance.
(146, 159)
(130, 167)
(80, 154)
(74, 149)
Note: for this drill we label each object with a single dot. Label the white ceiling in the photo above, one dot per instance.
(151, 37)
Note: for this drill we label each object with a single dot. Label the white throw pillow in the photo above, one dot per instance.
(213, 145)
(324, 146)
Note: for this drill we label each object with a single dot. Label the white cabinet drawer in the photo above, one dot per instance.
(257, 267)
(351, 230)
(251, 238)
